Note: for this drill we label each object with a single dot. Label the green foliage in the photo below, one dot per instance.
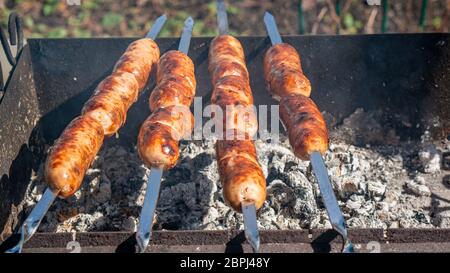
(57, 32)
(82, 33)
(351, 25)
(4, 17)
(90, 4)
(111, 20)
(437, 22)
(201, 30)
(49, 7)
(54, 18)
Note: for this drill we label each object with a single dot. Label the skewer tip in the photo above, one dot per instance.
(267, 15)
(156, 27)
(189, 21)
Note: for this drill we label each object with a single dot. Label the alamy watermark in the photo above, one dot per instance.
(228, 122)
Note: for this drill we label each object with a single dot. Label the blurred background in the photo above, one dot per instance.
(95, 18)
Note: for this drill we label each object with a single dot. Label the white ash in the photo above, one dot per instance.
(430, 159)
(418, 186)
(380, 182)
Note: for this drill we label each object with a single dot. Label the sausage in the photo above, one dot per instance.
(240, 173)
(111, 100)
(139, 59)
(72, 154)
(171, 119)
(234, 97)
(232, 88)
(176, 81)
(177, 63)
(283, 72)
(225, 46)
(305, 125)
(102, 115)
(159, 135)
(114, 95)
(226, 57)
(229, 68)
(239, 120)
(168, 92)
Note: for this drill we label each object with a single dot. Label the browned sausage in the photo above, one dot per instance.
(177, 63)
(233, 89)
(72, 154)
(234, 98)
(170, 91)
(113, 97)
(283, 72)
(138, 59)
(176, 81)
(111, 100)
(305, 125)
(240, 173)
(226, 57)
(103, 114)
(159, 135)
(171, 119)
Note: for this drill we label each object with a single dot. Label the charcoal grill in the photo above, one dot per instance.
(404, 74)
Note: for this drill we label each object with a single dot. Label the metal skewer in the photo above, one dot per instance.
(144, 232)
(33, 220)
(248, 208)
(251, 225)
(329, 200)
(222, 18)
(319, 168)
(156, 27)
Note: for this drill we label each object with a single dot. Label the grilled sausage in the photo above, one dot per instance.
(234, 98)
(226, 57)
(171, 119)
(305, 125)
(283, 72)
(111, 100)
(103, 114)
(176, 81)
(229, 68)
(240, 173)
(177, 63)
(114, 95)
(139, 59)
(72, 154)
(233, 89)
(159, 135)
